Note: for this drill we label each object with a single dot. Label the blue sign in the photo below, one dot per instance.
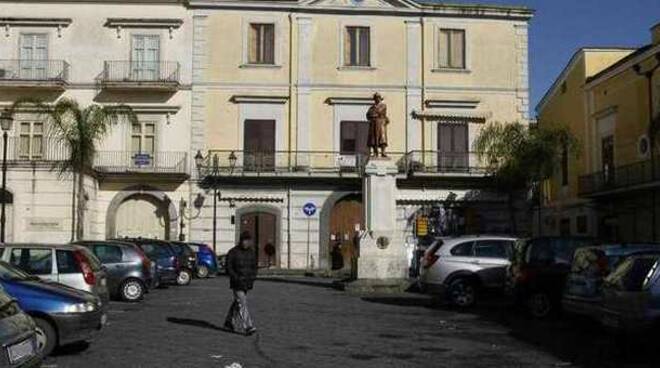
(309, 209)
(142, 159)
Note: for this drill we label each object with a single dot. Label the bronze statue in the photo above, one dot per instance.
(378, 121)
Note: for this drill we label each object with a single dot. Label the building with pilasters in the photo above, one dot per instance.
(280, 91)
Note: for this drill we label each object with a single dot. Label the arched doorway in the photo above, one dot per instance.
(346, 220)
(142, 215)
(263, 227)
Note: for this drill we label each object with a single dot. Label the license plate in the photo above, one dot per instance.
(20, 351)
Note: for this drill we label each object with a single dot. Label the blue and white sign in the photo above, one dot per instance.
(142, 159)
(309, 209)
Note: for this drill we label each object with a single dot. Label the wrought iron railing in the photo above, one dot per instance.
(436, 162)
(125, 162)
(34, 70)
(140, 71)
(621, 177)
(224, 162)
(34, 149)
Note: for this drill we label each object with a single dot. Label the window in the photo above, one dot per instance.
(452, 146)
(565, 227)
(66, 262)
(108, 253)
(581, 224)
(607, 158)
(354, 135)
(143, 137)
(357, 46)
(463, 250)
(564, 166)
(34, 261)
(33, 56)
(451, 48)
(492, 249)
(31, 139)
(145, 58)
(259, 145)
(261, 43)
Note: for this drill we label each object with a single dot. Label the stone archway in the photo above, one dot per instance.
(325, 217)
(264, 223)
(141, 197)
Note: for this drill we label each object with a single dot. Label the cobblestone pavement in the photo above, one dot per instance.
(313, 326)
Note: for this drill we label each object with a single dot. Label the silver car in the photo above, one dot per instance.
(631, 295)
(71, 265)
(460, 267)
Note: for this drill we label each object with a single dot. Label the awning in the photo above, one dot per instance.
(452, 115)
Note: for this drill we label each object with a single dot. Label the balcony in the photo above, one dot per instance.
(640, 175)
(34, 151)
(44, 74)
(163, 165)
(161, 76)
(329, 164)
(436, 163)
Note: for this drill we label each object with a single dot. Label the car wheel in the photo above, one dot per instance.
(46, 337)
(202, 272)
(539, 305)
(132, 290)
(184, 278)
(462, 293)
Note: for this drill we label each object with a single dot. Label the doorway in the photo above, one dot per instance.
(142, 216)
(346, 221)
(262, 226)
(259, 145)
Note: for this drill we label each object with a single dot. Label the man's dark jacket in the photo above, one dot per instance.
(242, 268)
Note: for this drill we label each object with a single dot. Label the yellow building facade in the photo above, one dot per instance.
(606, 97)
(280, 94)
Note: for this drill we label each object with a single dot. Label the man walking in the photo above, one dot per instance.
(242, 270)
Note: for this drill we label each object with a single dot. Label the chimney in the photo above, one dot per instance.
(655, 32)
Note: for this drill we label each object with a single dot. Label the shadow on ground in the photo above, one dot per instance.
(573, 340)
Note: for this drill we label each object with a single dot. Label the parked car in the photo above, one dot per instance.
(631, 295)
(461, 267)
(207, 264)
(130, 271)
(583, 291)
(187, 260)
(418, 256)
(71, 265)
(62, 314)
(167, 263)
(538, 271)
(17, 335)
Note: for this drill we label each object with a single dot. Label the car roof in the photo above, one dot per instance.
(462, 238)
(42, 245)
(106, 242)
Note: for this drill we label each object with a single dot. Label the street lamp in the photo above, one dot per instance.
(6, 121)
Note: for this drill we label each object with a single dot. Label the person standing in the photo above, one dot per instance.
(242, 270)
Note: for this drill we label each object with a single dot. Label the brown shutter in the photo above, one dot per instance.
(365, 47)
(443, 48)
(269, 44)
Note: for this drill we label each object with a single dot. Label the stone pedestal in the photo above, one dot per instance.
(382, 252)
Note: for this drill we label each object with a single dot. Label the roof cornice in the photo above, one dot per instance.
(411, 9)
(600, 78)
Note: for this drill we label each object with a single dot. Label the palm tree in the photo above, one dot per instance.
(79, 130)
(518, 157)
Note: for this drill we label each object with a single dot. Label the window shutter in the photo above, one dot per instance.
(457, 49)
(443, 48)
(349, 47)
(269, 44)
(365, 47)
(253, 44)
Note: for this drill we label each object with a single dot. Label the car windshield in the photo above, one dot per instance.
(554, 250)
(634, 273)
(11, 273)
(91, 258)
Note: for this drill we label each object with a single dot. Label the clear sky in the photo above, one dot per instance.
(560, 27)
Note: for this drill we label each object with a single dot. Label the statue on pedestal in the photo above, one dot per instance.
(378, 121)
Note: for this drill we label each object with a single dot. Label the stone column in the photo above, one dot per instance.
(382, 254)
(303, 95)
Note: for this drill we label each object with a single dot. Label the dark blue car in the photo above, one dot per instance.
(159, 252)
(207, 264)
(62, 315)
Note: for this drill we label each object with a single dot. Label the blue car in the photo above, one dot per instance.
(62, 315)
(207, 264)
(160, 253)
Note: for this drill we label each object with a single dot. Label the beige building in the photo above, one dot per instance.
(279, 97)
(129, 52)
(608, 98)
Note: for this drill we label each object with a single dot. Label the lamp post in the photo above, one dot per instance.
(6, 121)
